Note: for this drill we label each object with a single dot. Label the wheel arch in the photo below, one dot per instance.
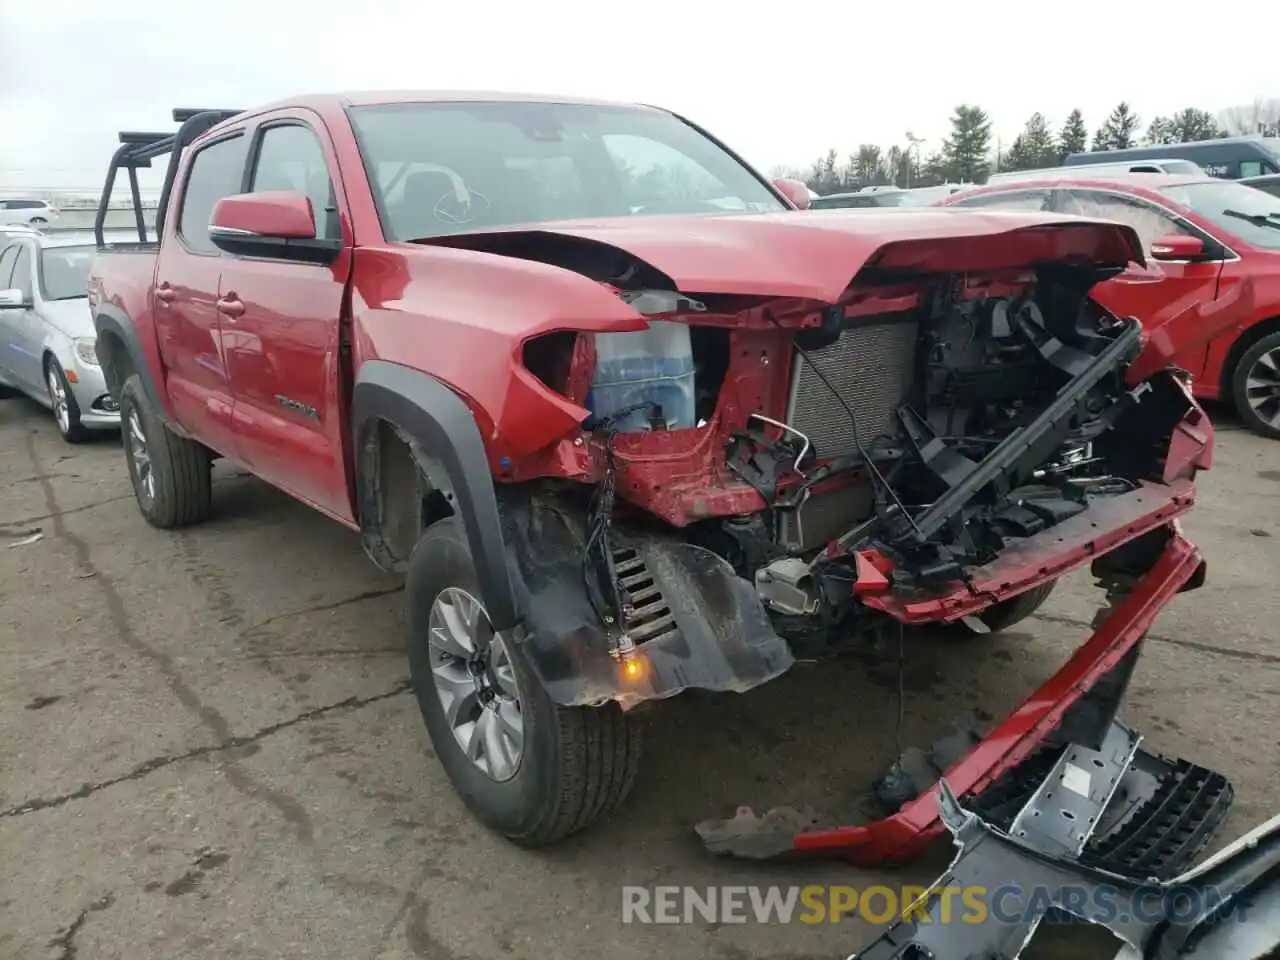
(420, 458)
(121, 355)
(1240, 347)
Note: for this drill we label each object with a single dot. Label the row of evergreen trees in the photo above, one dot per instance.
(968, 155)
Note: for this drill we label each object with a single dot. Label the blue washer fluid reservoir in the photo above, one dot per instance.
(648, 366)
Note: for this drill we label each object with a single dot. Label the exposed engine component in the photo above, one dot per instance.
(941, 435)
(821, 517)
(787, 586)
(973, 414)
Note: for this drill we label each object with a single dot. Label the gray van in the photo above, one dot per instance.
(1084, 171)
(1231, 158)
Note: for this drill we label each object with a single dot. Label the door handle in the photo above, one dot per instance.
(230, 306)
(165, 293)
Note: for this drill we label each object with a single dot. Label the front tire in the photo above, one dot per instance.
(1255, 387)
(531, 769)
(66, 412)
(171, 475)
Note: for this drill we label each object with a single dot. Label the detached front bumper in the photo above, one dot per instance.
(1205, 913)
(1109, 523)
(907, 832)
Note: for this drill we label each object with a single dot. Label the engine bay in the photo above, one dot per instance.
(925, 423)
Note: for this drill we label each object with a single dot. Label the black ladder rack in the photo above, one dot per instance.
(136, 151)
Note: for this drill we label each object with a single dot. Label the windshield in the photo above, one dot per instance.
(1251, 215)
(64, 272)
(444, 168)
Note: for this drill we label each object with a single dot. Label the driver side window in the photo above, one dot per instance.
(291, 159)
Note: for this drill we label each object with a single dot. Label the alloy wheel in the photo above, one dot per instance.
(58, 395)
(1262, 387)
(476, 683)
(140, 456)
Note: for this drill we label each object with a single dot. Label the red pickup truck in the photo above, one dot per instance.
(628, 421)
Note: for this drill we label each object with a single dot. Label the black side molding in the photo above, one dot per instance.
(445, 432)
(109, 319)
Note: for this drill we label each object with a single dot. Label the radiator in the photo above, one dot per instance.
(871, 366)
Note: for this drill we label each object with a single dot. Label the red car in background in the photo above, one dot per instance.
(1203, 237)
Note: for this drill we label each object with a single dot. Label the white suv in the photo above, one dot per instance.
(24, 210)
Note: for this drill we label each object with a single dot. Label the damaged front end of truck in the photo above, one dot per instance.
(931, 441)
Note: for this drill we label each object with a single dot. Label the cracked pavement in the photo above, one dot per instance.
(208, 749)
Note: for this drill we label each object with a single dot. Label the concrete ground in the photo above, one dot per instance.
(208, 750)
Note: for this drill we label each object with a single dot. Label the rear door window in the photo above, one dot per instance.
(216, 172)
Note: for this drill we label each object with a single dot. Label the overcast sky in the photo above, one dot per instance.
(781, 84)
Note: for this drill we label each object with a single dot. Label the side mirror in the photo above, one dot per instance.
(1177, 247)
(278, 225)
(795, 191)
(13, 300)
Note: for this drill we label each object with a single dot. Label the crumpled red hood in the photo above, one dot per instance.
(815, 255)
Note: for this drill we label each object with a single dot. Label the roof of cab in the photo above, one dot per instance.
(327, 103)
(369, 98)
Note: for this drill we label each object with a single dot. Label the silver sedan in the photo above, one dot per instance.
(47, 336)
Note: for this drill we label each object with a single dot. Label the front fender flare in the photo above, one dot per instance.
(437, 420)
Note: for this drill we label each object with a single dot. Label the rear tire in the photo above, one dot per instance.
(171, 475)
(1255, 387)
(574, 765)
(1003, 615)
